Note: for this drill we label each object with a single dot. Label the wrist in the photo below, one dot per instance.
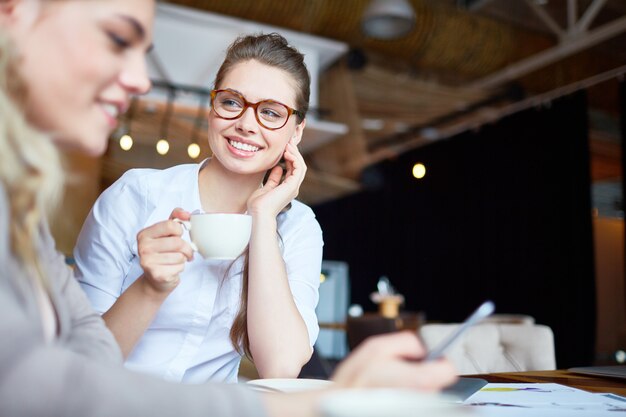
(151, 292)
(263, 219)
(261, 212)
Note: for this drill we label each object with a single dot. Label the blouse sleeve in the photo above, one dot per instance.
(302, 253)
(107, 243)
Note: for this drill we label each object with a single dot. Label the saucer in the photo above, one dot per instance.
(288, 384)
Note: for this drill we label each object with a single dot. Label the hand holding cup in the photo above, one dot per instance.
(163, 253)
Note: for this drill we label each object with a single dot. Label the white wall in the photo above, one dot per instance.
(190, 45)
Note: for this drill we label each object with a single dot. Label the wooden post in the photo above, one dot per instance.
(347, 155)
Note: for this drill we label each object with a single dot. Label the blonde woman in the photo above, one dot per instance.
(56, 357)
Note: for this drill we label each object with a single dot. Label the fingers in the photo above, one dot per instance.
(160, 272)
(293, 155)
(165, 245)
(434, 375)
(161, 229)
(390, 361)
(401, 344)
(296, 167)
(273, 180)
(277, 192)
(180, 214)
(163, 253)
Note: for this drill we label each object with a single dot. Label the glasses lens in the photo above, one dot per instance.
(228, 104)
(272, 114)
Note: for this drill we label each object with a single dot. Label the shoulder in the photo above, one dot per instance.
(299, 217)
(148, 176)
(145, 183)
(297, 213)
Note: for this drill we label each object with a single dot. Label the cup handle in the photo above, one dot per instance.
(187, 225)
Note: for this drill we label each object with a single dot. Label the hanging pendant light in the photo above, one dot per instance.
(194, 150)
(163, 145)
(388, 19)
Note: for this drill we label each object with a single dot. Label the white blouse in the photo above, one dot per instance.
(188, 341)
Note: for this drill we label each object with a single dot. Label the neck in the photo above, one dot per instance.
(224, 191)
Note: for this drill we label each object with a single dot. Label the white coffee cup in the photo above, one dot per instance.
(387, 402)
(220, 236)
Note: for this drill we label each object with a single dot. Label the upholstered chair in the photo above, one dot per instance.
(496, 347)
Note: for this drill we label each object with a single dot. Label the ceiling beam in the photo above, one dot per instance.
(492, 116)
(475, 5)
(346, 155)
(545, 18)
(546, 57)
(589, 15)
(572, 13)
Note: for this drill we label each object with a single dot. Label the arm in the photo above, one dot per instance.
(279, 339)
(82, 329)
(38, 379)
(105, 250)
(389, 361)
(163, 256)
(79, 374)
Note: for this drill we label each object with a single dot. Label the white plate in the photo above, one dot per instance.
(388, 402)
(288, 384)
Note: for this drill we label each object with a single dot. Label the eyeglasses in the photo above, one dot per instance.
(270, 114)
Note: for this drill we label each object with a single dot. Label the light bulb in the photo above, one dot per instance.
(163, 146)
(419, 170)
(193, 150)
(126, 142)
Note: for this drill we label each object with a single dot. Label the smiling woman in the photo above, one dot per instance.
(53, 343)
(93, 88)
(56, 357)
(187, 319)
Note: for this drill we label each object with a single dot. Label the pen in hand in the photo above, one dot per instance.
(482, 312)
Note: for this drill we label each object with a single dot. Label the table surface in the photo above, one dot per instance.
(585, 382)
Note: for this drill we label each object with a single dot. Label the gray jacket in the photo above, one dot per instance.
(81, 373)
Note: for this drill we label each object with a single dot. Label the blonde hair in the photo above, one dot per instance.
(30, 166)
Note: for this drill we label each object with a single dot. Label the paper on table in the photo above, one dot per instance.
(554, 400)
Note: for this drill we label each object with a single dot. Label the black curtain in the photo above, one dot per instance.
(622, 107)
(504, 213)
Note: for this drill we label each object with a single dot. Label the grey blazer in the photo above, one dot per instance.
(81, 373)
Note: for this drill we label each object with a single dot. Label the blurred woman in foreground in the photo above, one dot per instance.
(67, 70)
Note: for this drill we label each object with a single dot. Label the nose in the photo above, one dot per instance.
(247, 121)
(134, 78)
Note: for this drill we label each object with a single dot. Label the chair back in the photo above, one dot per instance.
(496, 347)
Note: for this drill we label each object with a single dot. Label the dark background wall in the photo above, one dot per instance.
(503, 213)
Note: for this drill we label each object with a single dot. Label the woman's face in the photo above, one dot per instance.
(242, 145)
(81, 60)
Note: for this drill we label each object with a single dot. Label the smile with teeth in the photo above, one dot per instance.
(243, 146)
(111, 109)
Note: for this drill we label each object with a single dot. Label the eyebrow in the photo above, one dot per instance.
(236, 91)
(243, 95)
(137, 27)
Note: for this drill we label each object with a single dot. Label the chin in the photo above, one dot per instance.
(90, 145)
(243, 168)
(96, 148)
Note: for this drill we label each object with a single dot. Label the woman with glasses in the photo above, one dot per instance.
(188, 319)
(57, 358)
